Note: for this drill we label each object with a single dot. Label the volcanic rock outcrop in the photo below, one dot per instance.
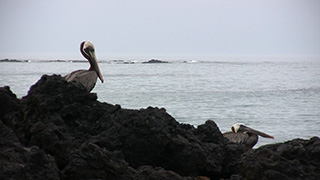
(60, 131)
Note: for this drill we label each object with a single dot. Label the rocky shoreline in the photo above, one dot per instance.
(60, 131)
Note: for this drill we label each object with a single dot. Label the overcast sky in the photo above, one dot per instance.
(54, 29)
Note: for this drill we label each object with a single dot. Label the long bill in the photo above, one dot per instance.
(94, 65)
(245, 128)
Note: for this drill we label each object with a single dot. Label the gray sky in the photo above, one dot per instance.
(158, 28)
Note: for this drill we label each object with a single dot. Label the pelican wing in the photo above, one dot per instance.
(240, 138)
(87, 78)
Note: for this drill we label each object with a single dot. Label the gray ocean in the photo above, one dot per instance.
(279, 96)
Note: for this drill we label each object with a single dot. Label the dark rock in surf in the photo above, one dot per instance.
(13, 60)
(155, 61)
(62, 131)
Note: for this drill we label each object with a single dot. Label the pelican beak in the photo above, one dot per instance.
(94, 64)
(248, 129)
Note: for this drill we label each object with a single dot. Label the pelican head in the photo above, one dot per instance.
(87, 50)
(235, 128)
(239, 127)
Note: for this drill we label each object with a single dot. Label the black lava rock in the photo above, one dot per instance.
(296, 159)
(60, 131)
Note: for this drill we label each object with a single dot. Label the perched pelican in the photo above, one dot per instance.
(87, 78)
(244, 135)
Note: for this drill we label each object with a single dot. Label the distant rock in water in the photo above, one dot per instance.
(155, 61)
(13, 60)
(60, 131)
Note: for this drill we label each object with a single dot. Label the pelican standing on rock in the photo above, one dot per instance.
(87, 78)
(244, 135)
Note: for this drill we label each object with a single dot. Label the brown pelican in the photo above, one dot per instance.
(244, 135)
(87, 78)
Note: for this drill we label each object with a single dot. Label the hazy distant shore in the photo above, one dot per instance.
(240, 59)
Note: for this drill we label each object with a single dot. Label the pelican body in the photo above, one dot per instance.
(244, 135)
(87, 78)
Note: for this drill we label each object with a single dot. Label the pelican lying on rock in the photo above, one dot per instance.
(244, 135)
(87, 78)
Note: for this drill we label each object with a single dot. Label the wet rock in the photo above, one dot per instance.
(61, 130)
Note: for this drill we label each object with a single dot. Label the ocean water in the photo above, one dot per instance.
(278, 96)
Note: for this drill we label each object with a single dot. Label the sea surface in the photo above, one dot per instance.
(279, 96)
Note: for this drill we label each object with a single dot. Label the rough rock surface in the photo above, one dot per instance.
(60, 131)
(296, 159)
